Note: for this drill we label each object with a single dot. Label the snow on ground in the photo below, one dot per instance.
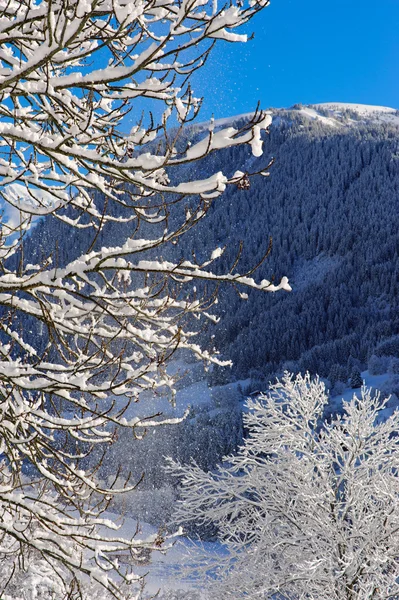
(335, 118)
(361, 109)
(165, 571)
(374, 382)
(366, 112)
(312, 114)
(192, 390)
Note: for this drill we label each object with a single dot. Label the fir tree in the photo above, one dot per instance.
(356, 379)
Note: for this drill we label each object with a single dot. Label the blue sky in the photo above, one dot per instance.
(306, 52)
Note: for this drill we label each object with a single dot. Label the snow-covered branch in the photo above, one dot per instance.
(63, 120)
(85, 335)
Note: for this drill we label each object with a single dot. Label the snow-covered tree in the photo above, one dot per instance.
(72, 74)
(307, 509)
(356, 379)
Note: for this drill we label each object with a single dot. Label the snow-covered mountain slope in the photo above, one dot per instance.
(330, 205)
(359, 112)
(362, 109)
(333, 114)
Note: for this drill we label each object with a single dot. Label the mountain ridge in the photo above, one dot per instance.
(330, 113)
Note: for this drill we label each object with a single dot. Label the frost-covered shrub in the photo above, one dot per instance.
(393, 401)
(338, 388)
(393, 367)
(377, 365)
(390, 386)
(305, 504)
(291, 366)
(389, 347)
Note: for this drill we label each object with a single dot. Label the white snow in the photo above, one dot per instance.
(366, 112)
(165, 571)
(375, 382)
(362, 109)
(312, 114)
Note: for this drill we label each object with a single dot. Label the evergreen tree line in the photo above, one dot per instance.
(330, 206)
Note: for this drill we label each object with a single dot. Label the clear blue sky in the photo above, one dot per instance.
(306, 52)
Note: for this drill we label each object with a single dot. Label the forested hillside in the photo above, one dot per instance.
(330, 205)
